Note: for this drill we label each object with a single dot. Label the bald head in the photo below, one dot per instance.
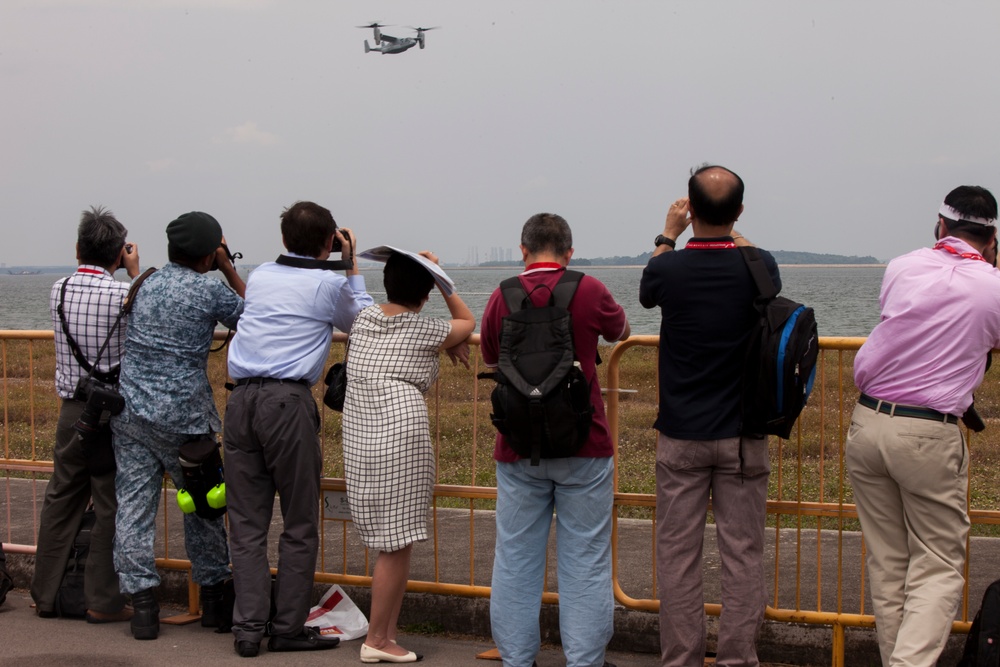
(716, 195)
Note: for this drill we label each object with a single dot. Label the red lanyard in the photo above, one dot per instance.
(941, 245)
(90, 271)
(710, 245)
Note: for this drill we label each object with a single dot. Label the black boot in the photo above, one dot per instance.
(217, 603)
(146, 616)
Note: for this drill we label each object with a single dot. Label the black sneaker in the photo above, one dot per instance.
(308, 640)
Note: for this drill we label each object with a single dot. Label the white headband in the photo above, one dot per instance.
(950, 213)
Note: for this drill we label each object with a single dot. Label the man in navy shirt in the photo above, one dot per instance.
(705, 293)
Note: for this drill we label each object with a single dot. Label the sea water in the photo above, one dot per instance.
(845, 298)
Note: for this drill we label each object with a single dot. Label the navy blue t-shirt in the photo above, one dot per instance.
(706, 302)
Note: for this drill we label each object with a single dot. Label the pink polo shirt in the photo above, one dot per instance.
(940, 318)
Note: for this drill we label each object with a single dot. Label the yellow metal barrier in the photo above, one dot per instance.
(811, 518)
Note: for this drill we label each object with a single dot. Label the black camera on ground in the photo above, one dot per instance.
(96, 397)
(337, 245)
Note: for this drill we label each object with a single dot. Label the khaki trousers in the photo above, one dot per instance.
(910, 479)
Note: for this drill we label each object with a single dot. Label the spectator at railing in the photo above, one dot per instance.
(578, 489)
(169, 402)
(272, 424)
(906, 456)
(85, 307)
(392, 361)
(706, 298)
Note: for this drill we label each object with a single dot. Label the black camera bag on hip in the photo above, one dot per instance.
(201, 469)
(541, 402)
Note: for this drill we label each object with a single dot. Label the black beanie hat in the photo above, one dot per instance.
(194, 234)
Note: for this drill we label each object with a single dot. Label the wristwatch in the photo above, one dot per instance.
(664, 240)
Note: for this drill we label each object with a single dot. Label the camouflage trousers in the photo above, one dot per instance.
(143, 454)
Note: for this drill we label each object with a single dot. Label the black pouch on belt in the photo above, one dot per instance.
(204, 489)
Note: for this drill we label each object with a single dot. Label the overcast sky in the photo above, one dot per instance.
(848, 121)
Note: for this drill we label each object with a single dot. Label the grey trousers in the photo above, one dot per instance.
(687, 472)
(271, 444)
(66, 497)
(910, 479)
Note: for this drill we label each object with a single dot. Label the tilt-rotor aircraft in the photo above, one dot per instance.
(389, 44)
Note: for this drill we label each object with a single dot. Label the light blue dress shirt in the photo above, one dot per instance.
(288, 321)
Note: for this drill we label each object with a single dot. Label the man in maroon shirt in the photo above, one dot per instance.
(579, 489)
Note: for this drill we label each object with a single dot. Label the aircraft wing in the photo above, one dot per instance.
(390, 39)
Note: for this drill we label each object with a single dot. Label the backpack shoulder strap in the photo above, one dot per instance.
(754, 262)
(513, 294)
(565, 289)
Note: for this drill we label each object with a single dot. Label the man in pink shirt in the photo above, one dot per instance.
(906, 456)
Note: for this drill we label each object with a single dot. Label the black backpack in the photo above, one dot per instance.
(781, 358)
(982, 647)
(541, 402)
(70, 600)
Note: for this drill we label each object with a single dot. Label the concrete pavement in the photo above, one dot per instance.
(804, 566)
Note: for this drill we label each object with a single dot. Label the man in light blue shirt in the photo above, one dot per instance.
(272, 424)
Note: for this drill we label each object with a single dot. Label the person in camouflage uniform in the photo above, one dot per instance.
(168, 402)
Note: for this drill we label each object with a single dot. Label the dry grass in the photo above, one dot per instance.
(807, 468)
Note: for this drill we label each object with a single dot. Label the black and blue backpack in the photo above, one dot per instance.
(781, 358)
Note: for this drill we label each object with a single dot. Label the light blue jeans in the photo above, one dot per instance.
(581, 493)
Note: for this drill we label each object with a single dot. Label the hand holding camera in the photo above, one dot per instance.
(129, 259)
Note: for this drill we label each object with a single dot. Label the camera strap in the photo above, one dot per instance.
(110, 377)
(324, 264)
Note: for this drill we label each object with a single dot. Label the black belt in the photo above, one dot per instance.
(246, 381)
(899, 410)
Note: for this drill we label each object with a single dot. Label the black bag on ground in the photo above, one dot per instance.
(6, 581)
(982, 647)
(781, 359)
(541, 402)
(70, 599)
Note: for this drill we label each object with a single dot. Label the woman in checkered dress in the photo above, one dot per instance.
(388, 455)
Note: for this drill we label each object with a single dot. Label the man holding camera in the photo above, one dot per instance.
(84, 308)
(906, 456)
(272, 423)
(706, 297)
(169, 403)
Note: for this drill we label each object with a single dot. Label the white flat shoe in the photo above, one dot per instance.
(369, 654)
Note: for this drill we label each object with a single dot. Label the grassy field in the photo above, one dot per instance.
(806, 468)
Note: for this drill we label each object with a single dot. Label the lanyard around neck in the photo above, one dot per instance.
(941, 245)
(710, 245)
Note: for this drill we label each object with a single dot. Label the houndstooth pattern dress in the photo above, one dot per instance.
(388, 455)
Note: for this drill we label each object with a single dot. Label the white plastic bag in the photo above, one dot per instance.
(338, 616)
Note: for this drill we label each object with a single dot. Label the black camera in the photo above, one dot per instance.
(97, 397)
(233, 256)
(337, 245)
